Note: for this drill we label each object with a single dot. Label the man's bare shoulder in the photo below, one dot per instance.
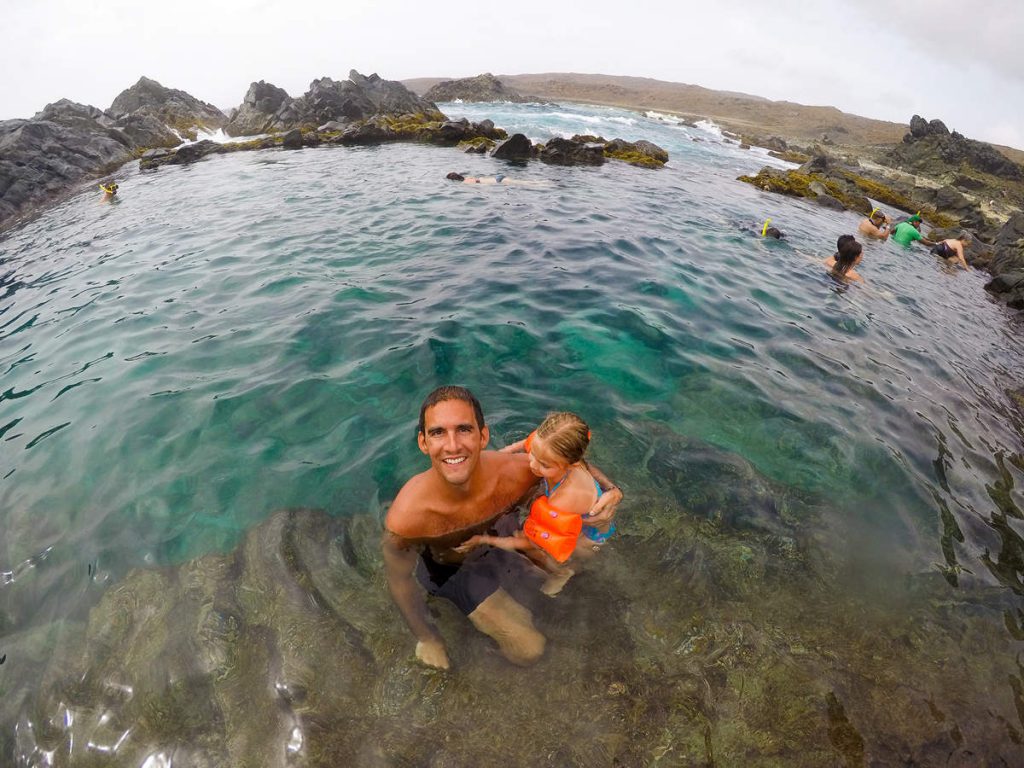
(407, 514)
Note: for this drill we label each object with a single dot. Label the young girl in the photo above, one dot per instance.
(552, 532)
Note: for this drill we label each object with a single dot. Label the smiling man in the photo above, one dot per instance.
(466, 491)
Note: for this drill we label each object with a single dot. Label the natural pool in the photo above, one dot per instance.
(820, 556)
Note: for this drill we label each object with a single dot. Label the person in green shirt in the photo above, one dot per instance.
(908, 231)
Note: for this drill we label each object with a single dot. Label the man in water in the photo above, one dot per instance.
(500, 178)
(908, 231)
(466, 491)
(953, 250)
(877, 225)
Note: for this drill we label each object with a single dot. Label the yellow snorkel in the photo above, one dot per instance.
(110, 189)
(764, 229)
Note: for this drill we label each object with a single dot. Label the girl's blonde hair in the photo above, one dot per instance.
(566, 434)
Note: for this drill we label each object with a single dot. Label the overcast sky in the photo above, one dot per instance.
(887, 59)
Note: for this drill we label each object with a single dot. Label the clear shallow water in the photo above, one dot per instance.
(256, 331)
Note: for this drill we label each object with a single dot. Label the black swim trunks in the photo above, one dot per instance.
(469, 583)
(944, 250)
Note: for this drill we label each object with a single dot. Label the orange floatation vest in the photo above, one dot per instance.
(549, 528)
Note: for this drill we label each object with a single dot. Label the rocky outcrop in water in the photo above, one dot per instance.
(175, 109)
(582, 150)
(67, 143)
(930, 148)
(43, 158)
(482, 88)
(328, 103)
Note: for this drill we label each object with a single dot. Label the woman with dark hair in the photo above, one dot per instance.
(840, 265)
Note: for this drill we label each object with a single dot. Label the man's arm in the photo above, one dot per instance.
(604, 508)
(399, 564)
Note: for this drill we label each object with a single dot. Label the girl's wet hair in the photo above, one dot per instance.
(848, 254)
(566, 435)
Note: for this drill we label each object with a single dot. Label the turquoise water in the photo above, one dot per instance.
(256, 331)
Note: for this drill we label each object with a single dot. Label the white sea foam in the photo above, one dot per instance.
(664, 118)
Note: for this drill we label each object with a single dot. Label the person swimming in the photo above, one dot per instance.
(877, 225)
(109, 190)
(848, 255)
(952, 249)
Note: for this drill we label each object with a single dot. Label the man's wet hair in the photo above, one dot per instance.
(443, 394)
(844, 241)
(453, 176)
(775, 232)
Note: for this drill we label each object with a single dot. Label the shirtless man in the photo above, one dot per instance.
(877, 225)
(466, 491)
(953, 250)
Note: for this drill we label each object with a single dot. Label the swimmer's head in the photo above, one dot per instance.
(877, 216)
(110, 189)
(778, 234)
(965, 238)
(847, 257)
(843, 241)
(444, 394)
(453, 176)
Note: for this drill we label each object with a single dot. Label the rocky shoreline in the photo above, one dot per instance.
(66, 144)
(957, 183)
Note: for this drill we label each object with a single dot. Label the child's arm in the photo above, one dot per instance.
(605, 507)
(519, 447)
(516, 542)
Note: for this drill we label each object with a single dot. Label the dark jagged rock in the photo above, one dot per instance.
(517, 147)
(644, 154)
(176, 109)
(329, 105)
(485, 87)
(40, 160)
(292, 139)
(262, 102)
(147, 131)
(930, 149)
(389, 97)
(559, 151)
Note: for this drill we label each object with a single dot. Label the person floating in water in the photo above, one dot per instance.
(775, 232)
(109, 190)
(908, 231)
(499, 178)
(848, 255)
(496, 179)
(552, 534)
(877, 225)
(952, 250)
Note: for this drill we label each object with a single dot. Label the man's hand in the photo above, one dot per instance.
(432, 653)
(605, 507)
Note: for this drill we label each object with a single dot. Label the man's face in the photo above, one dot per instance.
(452, 440)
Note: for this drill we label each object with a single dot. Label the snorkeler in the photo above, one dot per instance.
(775, 232)
(877, 225)
(551, 535)
(109, 190)
(848, 255)
(499, 178)
(496, 179)
(952, 250)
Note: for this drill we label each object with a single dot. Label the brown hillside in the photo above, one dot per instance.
(739, 112)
